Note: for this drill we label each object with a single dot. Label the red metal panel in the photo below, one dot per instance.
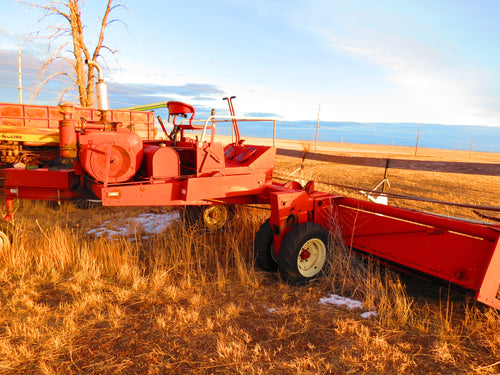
(41, 184)
(160, 162)
(441, 250)
(39, 116)
(488, 231)
(223, 186)
(39, 178)
(289, 206)
(180, 192)
(10, 110)
(209, 158)
(112, 156)
(490, 287)
(151, 194)
(46, 194)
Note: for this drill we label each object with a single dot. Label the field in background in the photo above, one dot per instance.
(190, 301)
(352, 149)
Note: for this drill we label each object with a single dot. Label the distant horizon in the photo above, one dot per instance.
(448, 137)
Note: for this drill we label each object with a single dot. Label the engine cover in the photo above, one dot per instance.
(110, 156)
(160, 162)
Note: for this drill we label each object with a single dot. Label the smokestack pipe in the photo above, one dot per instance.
(101, 87)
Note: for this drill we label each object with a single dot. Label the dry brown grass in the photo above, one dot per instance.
(189, 301)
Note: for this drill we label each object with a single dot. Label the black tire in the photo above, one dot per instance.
(6, 235)
(87, 204)
(190, 215)
(303, 255)
(263, 248)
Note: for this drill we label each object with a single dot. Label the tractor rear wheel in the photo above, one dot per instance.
(6, 235)
(263, 248)
(304, 253)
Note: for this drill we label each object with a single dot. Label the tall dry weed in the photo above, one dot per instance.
(380, 289)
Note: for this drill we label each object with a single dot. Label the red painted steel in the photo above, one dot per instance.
(161, 162)
(119, 168)
(233, 119)
(24, 116)
(110, 156)
(461, 252)
(43, 178)
(489, 292)
(182, 109)
(28, 132)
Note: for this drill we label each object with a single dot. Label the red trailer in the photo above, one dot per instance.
(104, 161)
(29, 133)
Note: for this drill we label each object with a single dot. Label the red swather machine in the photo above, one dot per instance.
(103, 160)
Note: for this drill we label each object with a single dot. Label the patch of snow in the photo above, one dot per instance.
(369, 314)
(149, 223)
(336, 300)
(351, 304)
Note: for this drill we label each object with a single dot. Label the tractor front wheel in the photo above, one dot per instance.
(263, 248)
(304, 253)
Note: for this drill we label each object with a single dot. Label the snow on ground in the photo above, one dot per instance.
(336, 300)
(351, 304)
(369, 314)
(148, 223)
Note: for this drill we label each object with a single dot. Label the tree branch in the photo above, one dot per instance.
(71, 26)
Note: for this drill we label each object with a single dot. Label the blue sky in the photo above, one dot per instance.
(362, 60)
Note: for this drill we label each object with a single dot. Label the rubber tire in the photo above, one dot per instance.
(190, 215)
(6, 235)
(88, 204)
(263, 248)
(290, 252)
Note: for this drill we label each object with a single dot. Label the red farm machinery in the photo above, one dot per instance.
(29, 134)
(106, 160)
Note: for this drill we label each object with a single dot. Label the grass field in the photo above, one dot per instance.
(190, 301)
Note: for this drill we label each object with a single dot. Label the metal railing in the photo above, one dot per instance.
(212, 120)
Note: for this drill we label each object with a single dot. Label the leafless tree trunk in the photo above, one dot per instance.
(70, 31)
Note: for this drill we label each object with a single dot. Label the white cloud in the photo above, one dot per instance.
(423, 83)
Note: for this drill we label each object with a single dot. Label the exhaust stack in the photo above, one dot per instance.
(101, 87)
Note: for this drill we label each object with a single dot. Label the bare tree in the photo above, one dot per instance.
(70, 32)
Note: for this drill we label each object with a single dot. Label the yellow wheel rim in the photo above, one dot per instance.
(214, 217)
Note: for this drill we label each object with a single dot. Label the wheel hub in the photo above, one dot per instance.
(312, 257)
(305, 254)
(214, 217)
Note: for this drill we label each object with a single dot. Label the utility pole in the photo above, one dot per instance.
(418, 137)
(471, 146)
(317, 128)
(20, 76)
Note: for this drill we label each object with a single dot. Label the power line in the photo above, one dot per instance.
(7, 85)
